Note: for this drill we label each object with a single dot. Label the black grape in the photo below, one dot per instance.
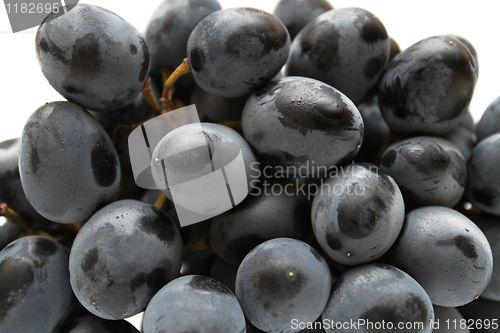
(11, 190)
(302, 122)
(358, 215)
(215, 109)
(448, 320)
(483, 183)
(169, 29)
(467, 122)
(395, 50)
(195, 303)
(463, 139)
(68, 165)
(376, 294)
(295, 14)
(489, 123)
(376, 130)
(428, 170)
(280, 280)
(11, 231)
(483, 314)
(260, 217)
(446, 253)
(122, 256)
(471, 49)
(347, 48)
(3, 239)
(35, 291)
(190, 163)
(490, 226)
(91, 323)
(234, 51)
(92, 57)
(427, 87)
(224, 273)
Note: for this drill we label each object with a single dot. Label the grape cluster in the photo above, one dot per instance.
(373, 198)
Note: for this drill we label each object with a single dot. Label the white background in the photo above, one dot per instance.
(23, 88)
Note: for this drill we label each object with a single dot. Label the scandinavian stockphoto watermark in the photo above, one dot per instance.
(26, 14)
(200, 184)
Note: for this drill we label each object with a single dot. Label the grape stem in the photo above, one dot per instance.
(168, 87)
(161, 201)
(201, 245)
(147, 91)
(234, 124)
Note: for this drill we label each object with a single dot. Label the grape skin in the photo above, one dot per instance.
(68, 165)
(84, 53)
(195, 304)
(347, 48)
(378, 293)
(234, 51)
(280, 280)
(122, 256)
(35, 291)
(446, 253)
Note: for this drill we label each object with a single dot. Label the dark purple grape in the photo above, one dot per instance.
(428, 170)
(347, 48)
(68, 165)
(91, 323)
(302, 123)
(490, 226)
(489, 123)
(447, 320)
(260, 217)
(358, 215)
(122, 256)
(446, 253)
(378, 294)
(195, 304)
(11, 190)
(467, 122)
(427, 87)
(463, 139)
(92, 57)
(35, 291)
(11, 231)
(376, 130)
(234, 51)
(482, 315)
(281, 280)
(483, 183)
(295, 14)
(215, 109)
(169, 29)
(395, 50)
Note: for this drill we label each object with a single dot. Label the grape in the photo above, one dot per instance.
(483, 183)
(68, 165)
(297, 122)
(428, 170)
(224, 273)
(376, 130)
(234, 51)
(467, 122)
(378, 293)
(90, 323)
(463, 139)
(427, 88)
(395, 50)
(489, 123)
(280, 280)
(359, 215)
(3, 239)
(84, 53)
(11, 190)
(347, 48)
(186, 159)
(481, 314)
(212, 108)
(35, 291)
(169, 29)
(446, 253)
(471, 49)
(122, 256)
(260, 217)
(195, 304)
(11, 231)
(295, 14)
(448, 318)
(490, 226)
